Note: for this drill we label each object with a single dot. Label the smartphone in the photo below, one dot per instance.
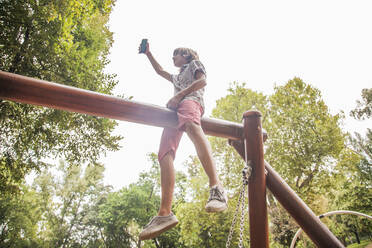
(143, 46)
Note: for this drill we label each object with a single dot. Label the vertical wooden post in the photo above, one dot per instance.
(259, 237)
(305, 218)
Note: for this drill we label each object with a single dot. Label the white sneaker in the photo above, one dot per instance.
(158, 225)
(217, 201)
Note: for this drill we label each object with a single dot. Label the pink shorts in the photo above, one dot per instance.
(188, 111)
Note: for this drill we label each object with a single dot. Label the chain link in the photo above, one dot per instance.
(242, 218)
(246, 173)
(234, 219)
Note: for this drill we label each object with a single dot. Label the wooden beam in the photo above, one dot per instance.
(23, 89)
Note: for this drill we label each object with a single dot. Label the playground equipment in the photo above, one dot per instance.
(298, 233)
(38, 92)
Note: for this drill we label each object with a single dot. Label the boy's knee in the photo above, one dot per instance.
(166, 159)
(191, 128)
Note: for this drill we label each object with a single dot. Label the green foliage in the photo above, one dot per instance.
(282, 226)
(364, 107)
(363, 244)
(304, 138)
(304, 143)
(363, 146)
(239, 100)
(352, 190)
(353, 182)
(232, 107)
(19, 216)
(60, 41)
(59, 210)
(68, 202)
(199, 228)
(124, 213)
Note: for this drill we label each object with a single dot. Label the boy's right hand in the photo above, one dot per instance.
(147, 48)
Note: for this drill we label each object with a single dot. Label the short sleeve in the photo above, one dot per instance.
(195, 66)
(174, 78)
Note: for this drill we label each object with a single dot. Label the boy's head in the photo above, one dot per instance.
(187, 53)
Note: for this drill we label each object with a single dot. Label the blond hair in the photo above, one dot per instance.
(187, 53)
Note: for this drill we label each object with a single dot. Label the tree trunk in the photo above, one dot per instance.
(343, 239)
(356, 236)
(156, 243)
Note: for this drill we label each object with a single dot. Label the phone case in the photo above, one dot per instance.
(143, 46)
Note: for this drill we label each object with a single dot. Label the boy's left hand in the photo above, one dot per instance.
(173, 102)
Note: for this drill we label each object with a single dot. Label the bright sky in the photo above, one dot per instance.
(326, 43)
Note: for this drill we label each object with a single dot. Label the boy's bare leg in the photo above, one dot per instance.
(217, 200)
(204, 151)
(165, 219)
(167, 178)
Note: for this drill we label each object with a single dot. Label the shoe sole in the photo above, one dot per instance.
(157, 233)
(215, 210)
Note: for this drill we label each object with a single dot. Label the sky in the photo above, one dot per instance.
(328, 44)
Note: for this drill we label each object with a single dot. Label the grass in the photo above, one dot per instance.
(362, 244)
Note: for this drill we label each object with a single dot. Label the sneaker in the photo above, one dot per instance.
(158, 225)
(217, 201)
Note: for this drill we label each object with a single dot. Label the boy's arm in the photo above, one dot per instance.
(159, 70)
(198, 84)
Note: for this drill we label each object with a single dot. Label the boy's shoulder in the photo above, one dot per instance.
(196, 65)
(196, 61)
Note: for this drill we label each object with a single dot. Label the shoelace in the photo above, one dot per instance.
(216, 194)
(151, 221)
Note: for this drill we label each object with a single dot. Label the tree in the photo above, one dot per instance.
(62, 41)
(353, 177)
(69, 205)
(363, 146)
(364, 107)
(124, 213)
(121, 213)
(357, 193)
(232, 107)
(199, 228)
(304, 143)
(305, 139)
(282, 226)
(19, 217)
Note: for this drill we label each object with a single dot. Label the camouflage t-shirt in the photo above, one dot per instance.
(185, 78)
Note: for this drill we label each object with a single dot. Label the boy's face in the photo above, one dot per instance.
(179, 60)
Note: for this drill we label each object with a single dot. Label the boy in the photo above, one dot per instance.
(188, 102)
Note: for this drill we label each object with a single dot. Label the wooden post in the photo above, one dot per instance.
(303, 215)
(259, 234)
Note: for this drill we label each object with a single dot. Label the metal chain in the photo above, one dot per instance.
(246, 173)
(234, 219)
(242, 218)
